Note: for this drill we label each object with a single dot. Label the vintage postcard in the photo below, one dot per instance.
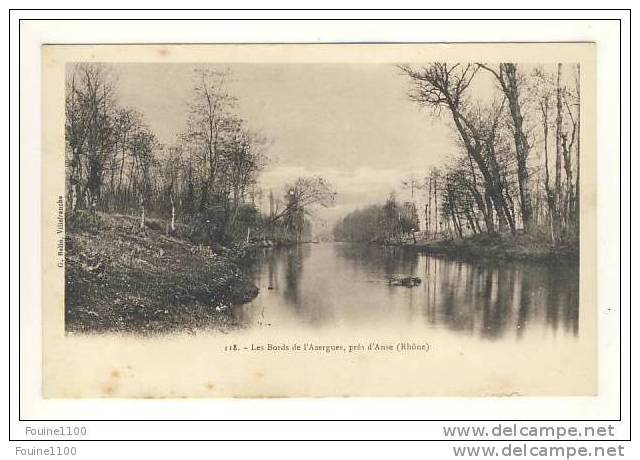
(319, 220)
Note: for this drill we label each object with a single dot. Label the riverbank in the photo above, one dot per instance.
(499, 246)
(267, 243)
(120, 278)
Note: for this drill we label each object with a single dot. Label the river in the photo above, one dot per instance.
(492, 329)
(345, 285)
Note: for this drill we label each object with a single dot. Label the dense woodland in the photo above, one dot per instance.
(207, 178)
(517, 168)
(379, 223)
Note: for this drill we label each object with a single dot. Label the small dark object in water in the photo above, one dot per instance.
(406, 281)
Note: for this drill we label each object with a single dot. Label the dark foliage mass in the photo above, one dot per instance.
(379, 223)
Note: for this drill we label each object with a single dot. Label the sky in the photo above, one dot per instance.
(353, 124)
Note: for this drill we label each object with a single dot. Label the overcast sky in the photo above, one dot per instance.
(352, 124)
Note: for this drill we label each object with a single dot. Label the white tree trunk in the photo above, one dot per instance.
(142, 214)
(74, 197)
(558, 172)
(173, 215)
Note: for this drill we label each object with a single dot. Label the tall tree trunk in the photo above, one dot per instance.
(435, 202)
(173, 214)
(142, 213)
(576, 204)
(558, 181)
(456, 220)
(521, 143)
(470, 219)
(485, 206)
(507, 77)
(486, 211)
(490, 208)
(121, 166)
(426, 220)
(547, 185)
(566, 155)
(74, 179)
(429, 218)
(496, 188)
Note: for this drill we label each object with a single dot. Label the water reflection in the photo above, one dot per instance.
(347, 285)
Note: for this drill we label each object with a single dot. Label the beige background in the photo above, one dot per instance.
(196, 366)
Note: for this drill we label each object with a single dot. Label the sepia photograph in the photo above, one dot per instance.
(417, 220)
(281, 232)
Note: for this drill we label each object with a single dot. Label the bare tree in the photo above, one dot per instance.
(305, 193)
(89, 129)
(509, 80)
(242, 158)
(545, 107)
(576, 205)
(209, 116)
(75, 134)
(412, 183)
(558, 182)
(441, 85)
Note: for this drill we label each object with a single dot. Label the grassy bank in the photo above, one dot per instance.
(123, 279)
(501, 246)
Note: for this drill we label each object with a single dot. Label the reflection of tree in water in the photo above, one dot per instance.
(430, 275)
(489, 299)
(454, 313)
(267, 262)
(475, 295)
(254, 262)
(272, 272)
(494, 298)
(260, 265)
(295, 256)
(497, 308)
(261, 260)
(391, 260)
(562, 301)
(244, 314)
(273, 267)
(525, 302)
(572, 310)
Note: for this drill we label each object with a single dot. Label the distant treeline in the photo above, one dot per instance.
(206, 178)
(379, 223)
